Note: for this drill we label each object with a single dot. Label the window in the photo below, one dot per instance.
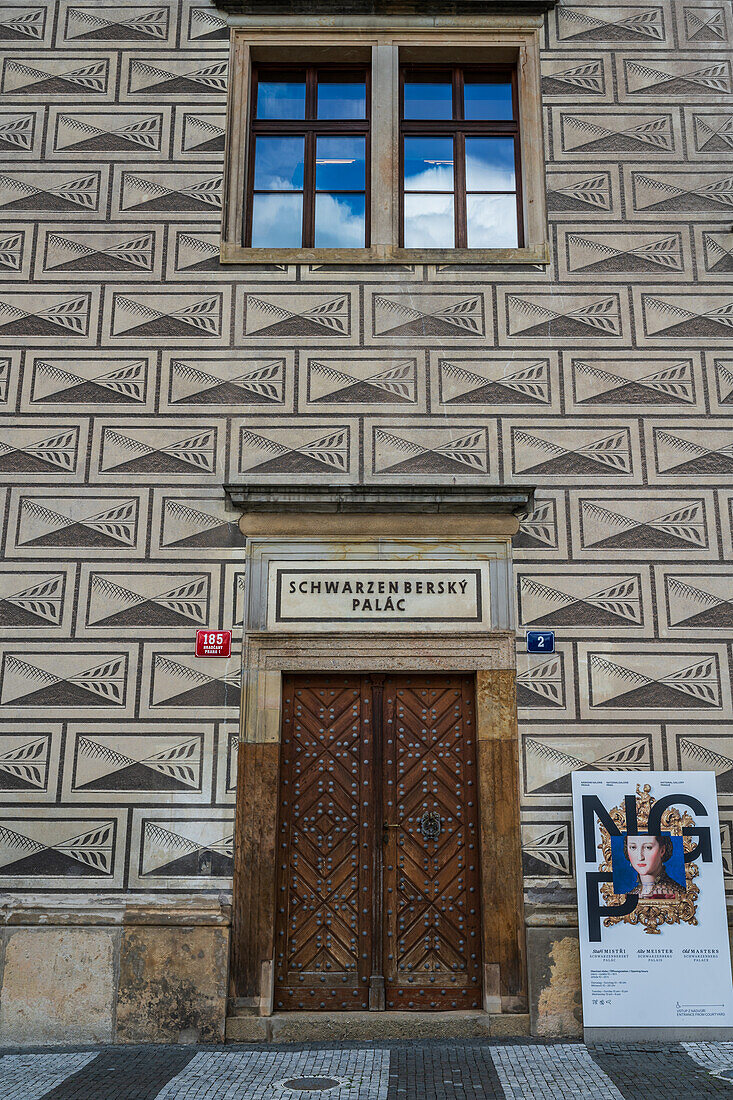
(460, 159)
(309, 157)
(392, 143)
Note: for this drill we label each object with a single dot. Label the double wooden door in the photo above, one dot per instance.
(377, 902)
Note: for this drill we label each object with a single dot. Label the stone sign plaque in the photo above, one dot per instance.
(384, 595)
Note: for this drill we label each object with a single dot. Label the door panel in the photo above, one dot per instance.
(377, 878)
(323, 936)
(431, 882)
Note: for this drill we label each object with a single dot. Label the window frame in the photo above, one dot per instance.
(381, 46)
(458, 127)
(312, 128)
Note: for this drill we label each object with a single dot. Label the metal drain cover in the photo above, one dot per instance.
(312, 1084)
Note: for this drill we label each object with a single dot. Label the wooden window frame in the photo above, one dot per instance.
(311, 128)
(459, 128)
(381, 47)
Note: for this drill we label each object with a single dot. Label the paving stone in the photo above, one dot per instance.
(653, 1070)
(444, 1071)
(262, 1075)
(564, 1069)
(434, 1069)
(716, 1058)
(121, 1073)
(33, 1076)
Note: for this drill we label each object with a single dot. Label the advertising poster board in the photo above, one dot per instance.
(654, 946)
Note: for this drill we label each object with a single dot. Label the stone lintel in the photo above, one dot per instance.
(443, 527)
(424, 499)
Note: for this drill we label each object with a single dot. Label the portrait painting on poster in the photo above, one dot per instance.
(653, 928)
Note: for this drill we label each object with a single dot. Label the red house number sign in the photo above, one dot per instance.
(213, 643)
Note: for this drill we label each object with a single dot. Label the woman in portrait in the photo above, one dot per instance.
(647, 856)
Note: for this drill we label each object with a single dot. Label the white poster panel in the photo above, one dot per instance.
(654, 947)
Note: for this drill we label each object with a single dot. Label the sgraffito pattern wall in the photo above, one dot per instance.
(117, 747)
(138, 375)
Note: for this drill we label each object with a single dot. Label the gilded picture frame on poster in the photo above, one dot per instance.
(655, 912)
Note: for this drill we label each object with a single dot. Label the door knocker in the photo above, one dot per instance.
(430, 826)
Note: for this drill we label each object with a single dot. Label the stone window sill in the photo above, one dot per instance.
(384, 254)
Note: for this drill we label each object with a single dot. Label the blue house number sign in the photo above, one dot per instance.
(540, 641)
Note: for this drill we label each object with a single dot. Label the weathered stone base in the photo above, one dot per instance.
(553, 965)
(302, 1027)
(106, 970)
(139, 969)
(172, 984)
(58, 985)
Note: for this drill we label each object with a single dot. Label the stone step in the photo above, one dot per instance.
(301, 1027)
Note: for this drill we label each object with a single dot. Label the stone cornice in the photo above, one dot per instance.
(374, 499)
(420, 8)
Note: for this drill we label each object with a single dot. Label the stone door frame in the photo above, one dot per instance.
(491, 658)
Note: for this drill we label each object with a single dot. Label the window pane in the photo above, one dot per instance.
(492, 221)
(340, 163)
(429, 221)
(487, 99)
(280, 98)
(490, 164)
(429, 99)
(428, 164)
(340, 221)
(279, 163)
(277, 220)
(341, 98)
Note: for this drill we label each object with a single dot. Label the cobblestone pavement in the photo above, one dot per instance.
(431, 1070)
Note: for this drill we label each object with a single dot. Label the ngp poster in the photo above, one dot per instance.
(654, 947)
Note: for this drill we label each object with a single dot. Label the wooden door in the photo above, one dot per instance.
(431, 870)
(324, 872)
(377, 882)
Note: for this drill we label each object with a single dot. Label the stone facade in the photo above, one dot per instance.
(138, 375)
